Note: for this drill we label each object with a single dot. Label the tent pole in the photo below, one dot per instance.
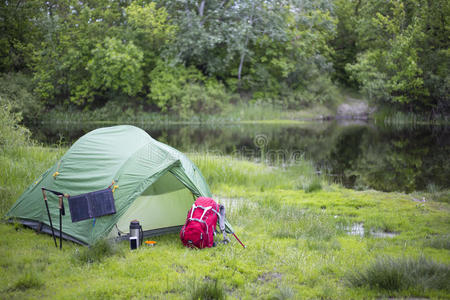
(61, 212)
(49, 217)
(239, 240)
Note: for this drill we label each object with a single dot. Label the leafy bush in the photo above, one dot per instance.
(12, 134)
(117, 66)
(16, 89)
(316, 89)
(312, 87)
(185, 91)
(395, 274)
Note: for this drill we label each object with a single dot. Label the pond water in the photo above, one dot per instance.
(356, 154)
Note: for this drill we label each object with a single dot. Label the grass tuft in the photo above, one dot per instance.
(397, 274)
(97, 252)
(282, 293)
(29, 280)
(435, 193)
(312, 185)
(438, 242)
(208, 289)
(299, 223)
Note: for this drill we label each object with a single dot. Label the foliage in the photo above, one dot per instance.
(85, 53)
(397, 51)
(185, 90)
(88, 52)
(72, 31)
(20, 35)
(150, 30)
(116, 66)
(298, 62)
(12, 134)
(16, 89)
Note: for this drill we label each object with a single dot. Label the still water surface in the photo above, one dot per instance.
(358, 155)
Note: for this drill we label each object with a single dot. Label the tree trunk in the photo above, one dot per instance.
(241, 63)
(201, 8)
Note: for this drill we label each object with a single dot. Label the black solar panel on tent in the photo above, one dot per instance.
(92, 205)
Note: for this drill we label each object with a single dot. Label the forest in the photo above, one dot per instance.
(185, 57)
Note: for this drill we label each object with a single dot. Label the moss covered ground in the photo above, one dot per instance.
(305, 238)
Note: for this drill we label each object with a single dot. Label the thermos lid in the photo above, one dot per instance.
(135, 224)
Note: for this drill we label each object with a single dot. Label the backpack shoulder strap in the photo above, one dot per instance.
(205, 210)
(221, 220)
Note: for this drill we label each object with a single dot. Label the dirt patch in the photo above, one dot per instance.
(269, 276)
(178, 268)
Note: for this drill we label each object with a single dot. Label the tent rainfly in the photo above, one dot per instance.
(153, 183)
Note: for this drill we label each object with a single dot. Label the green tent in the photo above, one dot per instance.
(155, 184)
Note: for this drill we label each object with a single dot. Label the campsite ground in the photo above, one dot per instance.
(305, 238)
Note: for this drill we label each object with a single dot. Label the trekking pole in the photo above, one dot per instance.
(61, 213)
(239, 240)
(49, 217)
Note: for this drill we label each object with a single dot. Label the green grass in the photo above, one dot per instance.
(98, 252)
(297, 245)
(29, 280)
(438, 242)
(391, 117)
(20, 166)
(241, 113)
(207, 290)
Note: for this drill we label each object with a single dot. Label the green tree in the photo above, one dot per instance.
(20, 34)
(73, 29)
(149, 28)
(116, 66)
(403, 56)
(185, 90)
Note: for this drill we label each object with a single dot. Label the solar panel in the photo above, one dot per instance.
(92, 205)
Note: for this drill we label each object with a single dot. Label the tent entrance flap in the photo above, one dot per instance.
(164, 204)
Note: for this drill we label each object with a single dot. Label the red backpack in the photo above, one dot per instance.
(198, 232)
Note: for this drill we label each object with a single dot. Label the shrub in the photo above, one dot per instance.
(402, 273)
(15, 89)
(185, 91)
(12, 134)
(117, 66)
(318, 89)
